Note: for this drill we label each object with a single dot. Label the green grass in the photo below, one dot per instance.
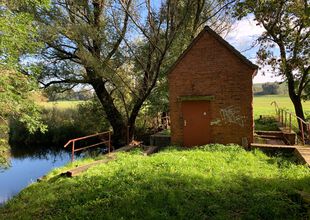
(60, 104)
(212, 182)
(262, 104)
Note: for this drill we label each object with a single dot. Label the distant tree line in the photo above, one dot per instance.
(69, 94)
(270, 88)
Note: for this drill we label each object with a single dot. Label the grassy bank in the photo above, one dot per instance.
(213, 182)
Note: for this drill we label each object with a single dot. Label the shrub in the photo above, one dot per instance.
(266, 124)
(63, 124)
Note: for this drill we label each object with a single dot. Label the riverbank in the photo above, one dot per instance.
(217, 182)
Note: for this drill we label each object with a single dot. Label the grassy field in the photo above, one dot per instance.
(60, 104)
(212, 182)
(262, 104)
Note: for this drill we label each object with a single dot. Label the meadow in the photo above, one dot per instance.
(61, 105)
(210, 182)
(262, 105)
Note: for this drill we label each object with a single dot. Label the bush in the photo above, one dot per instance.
(266, 124)
(63, 124)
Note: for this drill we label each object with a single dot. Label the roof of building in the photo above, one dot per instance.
(222, 41)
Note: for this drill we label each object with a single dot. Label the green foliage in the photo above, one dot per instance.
(17, 39)
(120, 54)
(4, 154)
(266, 124)
(15, 100)
(278, 88)
(93, 115)
(270, 88)
(285, 43)
(53, 94)
(210, 182)
(63, 121)
(18, 32)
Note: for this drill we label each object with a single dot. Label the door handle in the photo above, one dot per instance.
(184, 123)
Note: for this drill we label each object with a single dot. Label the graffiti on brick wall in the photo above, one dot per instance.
(231, 114)
(216, 121)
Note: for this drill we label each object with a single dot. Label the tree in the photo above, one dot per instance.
(270, 88)
(285, 43)
(118, 47)
(16, 40)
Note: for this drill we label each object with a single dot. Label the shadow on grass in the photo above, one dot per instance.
(160, 195)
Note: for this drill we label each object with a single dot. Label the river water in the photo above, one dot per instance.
(27, 168)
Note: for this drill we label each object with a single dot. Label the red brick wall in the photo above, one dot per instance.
(210, 68)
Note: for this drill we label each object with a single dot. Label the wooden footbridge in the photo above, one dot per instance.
(294, 135)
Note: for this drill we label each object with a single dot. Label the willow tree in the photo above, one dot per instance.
(118, 47)
(285, 44)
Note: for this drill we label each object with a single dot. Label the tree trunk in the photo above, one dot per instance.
(132, 119)
(114, 116)
(296, 101)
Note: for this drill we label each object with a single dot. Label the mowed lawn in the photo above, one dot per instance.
(262, 105)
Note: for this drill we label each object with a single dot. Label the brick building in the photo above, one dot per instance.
(210, 94)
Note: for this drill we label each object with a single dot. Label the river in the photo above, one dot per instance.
(27, 168)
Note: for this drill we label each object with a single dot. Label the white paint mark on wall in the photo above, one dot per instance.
(216, 121)
(232, 115)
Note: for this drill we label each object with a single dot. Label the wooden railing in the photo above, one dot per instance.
(293, 122)
(105, 138)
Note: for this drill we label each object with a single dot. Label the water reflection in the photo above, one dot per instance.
(26, 170)
(25, 164)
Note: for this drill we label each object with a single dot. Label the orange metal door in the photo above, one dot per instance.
(196, 116)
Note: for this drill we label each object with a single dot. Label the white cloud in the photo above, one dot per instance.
(267, 77)
(242, 36)
(244, 33)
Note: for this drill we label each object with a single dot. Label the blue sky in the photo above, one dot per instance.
(242, 36)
